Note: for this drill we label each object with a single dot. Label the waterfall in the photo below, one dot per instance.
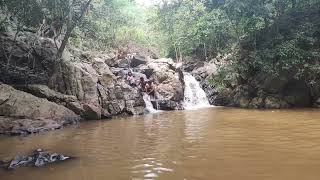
(149, 106)
(194, 95)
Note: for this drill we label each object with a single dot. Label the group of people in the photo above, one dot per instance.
(144, 86)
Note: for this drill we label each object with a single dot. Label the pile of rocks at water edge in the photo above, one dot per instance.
(38, 158)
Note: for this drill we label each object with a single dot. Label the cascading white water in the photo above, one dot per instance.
(149, 106)
(194, 95)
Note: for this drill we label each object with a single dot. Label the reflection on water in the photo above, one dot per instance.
(208, 144)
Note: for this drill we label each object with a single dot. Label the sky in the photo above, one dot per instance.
(147, 3)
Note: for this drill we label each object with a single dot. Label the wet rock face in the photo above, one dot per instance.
(100, 92)
(38, 158)
(203, 72)
(170, 86)
(167, 105)
(258, 91)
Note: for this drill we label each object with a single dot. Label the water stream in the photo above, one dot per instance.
(194, 95)
(149, 106)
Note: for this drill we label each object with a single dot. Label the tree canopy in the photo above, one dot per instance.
(272, 36)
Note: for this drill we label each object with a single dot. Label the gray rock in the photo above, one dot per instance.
(138, 60)
(32, 59)
(91, 112)
(37, 159)
(275, 103)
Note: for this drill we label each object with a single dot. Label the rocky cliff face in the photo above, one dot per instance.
(169, 80)
(203, 72)
(39, 93)
(259, 91)
(22, 113)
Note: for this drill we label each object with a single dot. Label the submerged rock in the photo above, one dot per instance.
(38, 158)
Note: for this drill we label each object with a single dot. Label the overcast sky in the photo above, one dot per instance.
(147, 3)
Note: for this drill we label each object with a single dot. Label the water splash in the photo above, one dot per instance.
(194, 95)
(149, 106)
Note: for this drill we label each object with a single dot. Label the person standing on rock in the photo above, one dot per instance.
(142, 85)
(151, 89)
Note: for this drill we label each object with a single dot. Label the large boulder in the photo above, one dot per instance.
(91, 112)
(77, 79)
(19, 105)
(167, 105)
(138, 60)
(38, 158)
(169, 80)
(44, 91)
(96, 85)
(15, 103)
(28, 60)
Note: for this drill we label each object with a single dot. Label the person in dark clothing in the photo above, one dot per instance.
(150, 89)
(142, 85)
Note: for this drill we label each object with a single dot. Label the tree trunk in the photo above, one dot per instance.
(14, 42)
(70, 28)
(294, 3)
(175, 49)
(205, 51)
(64, 42)
(180, 54)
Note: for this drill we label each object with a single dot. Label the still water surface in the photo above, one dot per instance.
(206, 144)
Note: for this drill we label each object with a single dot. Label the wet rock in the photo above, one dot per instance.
(275, 103)
(166, 105)
(76, 107)
(203, 72)
(135, 108)
(92, 112)
(44, 91)
(123, 63)
(105, 114)
(317, 103)
(224, 98)
(15, 103)
(144, 69)
(22, 126)
(38, 158)
(256, 103)
(168, 79)
(138, 60)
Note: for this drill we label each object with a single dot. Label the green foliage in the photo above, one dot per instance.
(26, 12)
(113, 24)
(273, 37)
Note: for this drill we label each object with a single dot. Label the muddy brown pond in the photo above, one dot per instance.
(205, 144)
